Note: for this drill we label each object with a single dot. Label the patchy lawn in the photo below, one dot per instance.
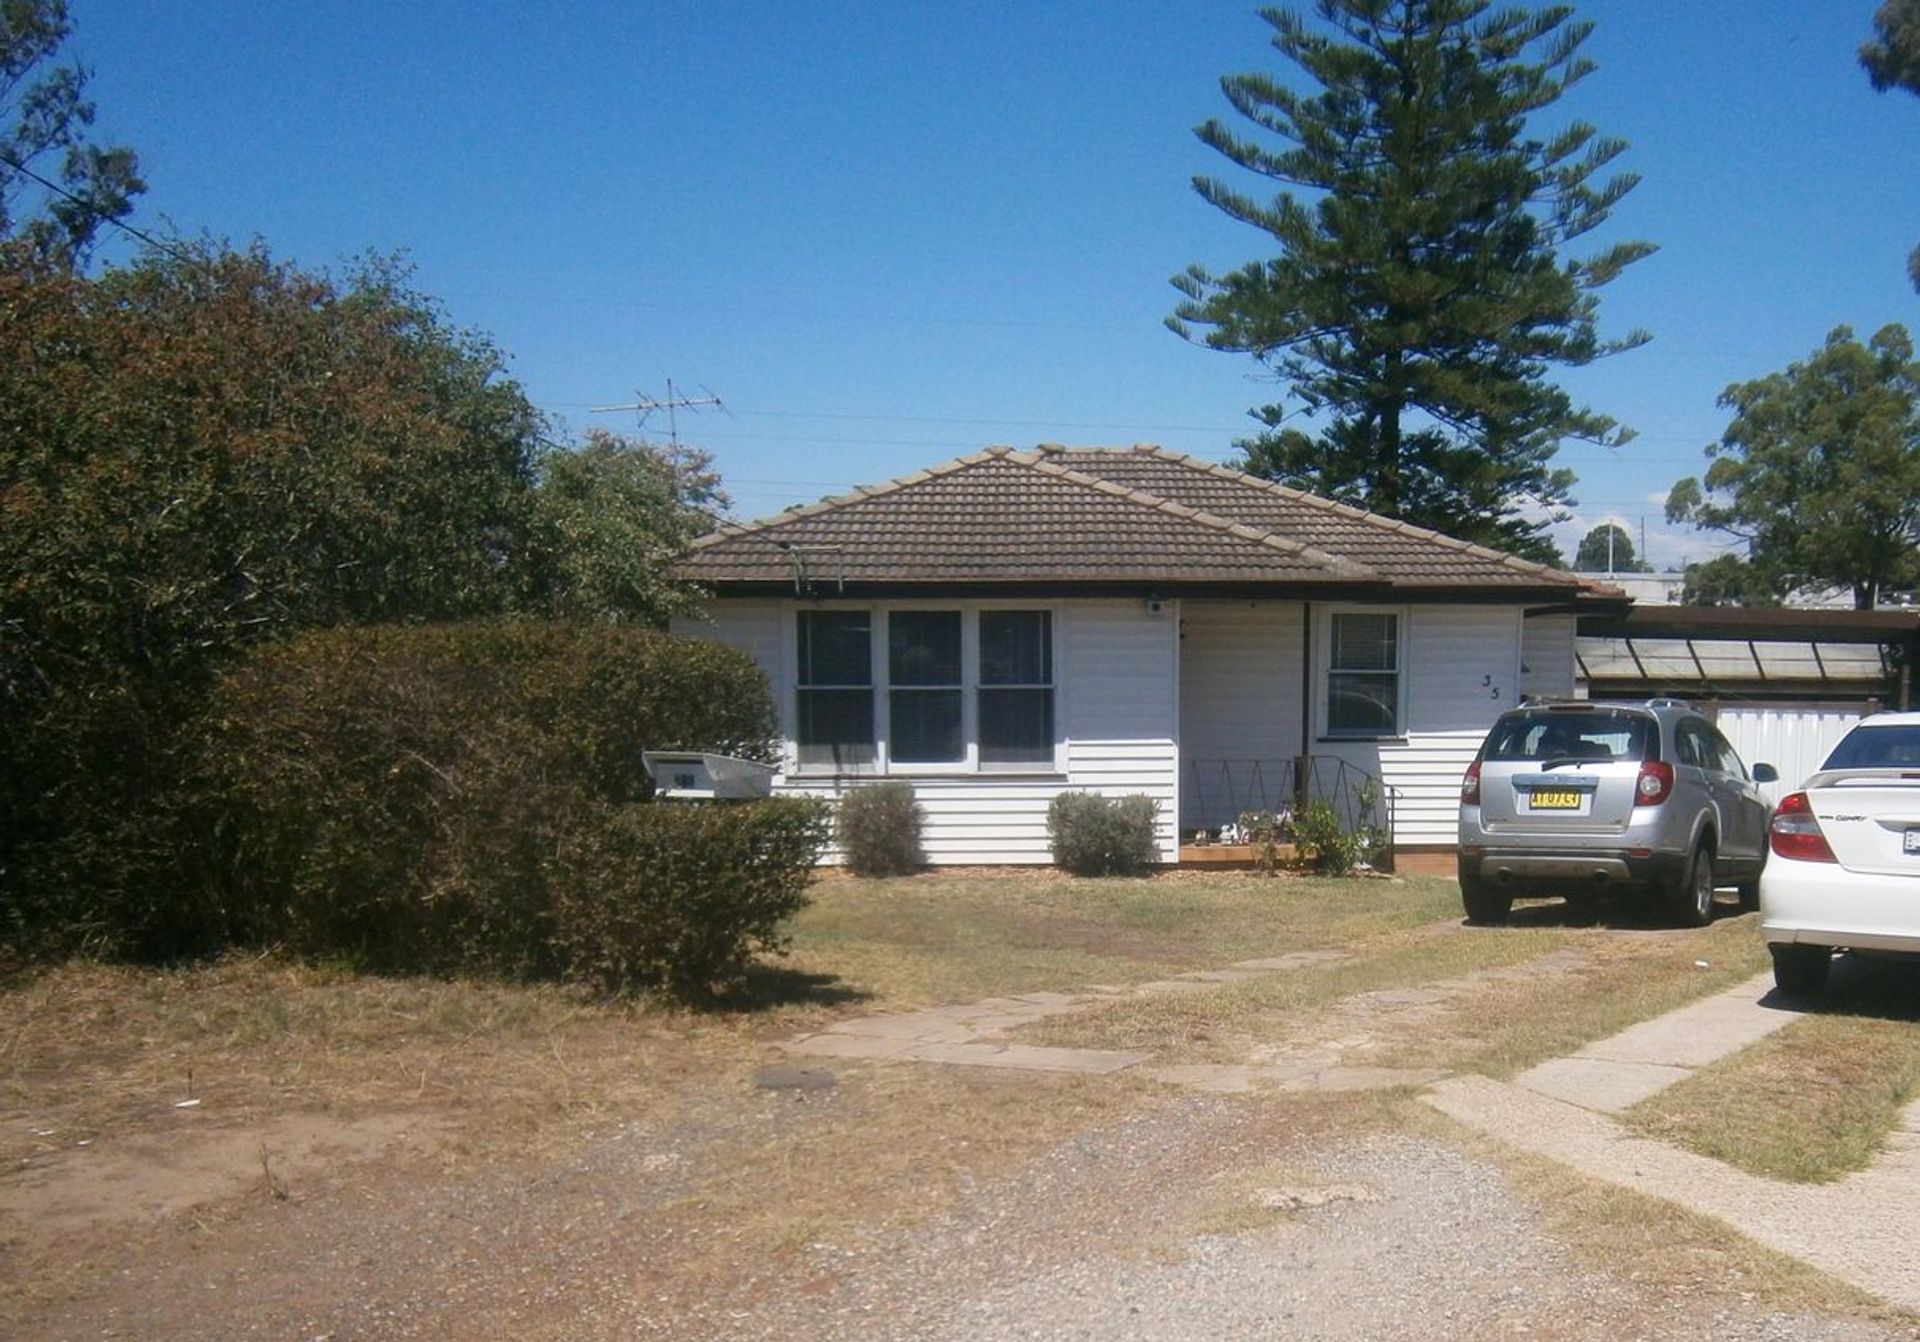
(954, 937)
(345, 1151)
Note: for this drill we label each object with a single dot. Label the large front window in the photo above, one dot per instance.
(949, 689)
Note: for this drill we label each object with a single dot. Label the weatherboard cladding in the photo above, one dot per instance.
(1095, 515)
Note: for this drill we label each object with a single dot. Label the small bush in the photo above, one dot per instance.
(679, 897)
(1103, 836)
(1329, 845)
(879, 830)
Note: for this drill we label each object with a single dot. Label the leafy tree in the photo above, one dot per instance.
(1419, 297)
(1731, 580)
(209, 449)
(1892, 60)
(612, 515)
(1819, 470)
(44, 116)
(1609, 549)
(1893, 57)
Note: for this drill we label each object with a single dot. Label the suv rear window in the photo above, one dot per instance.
(1539, 735)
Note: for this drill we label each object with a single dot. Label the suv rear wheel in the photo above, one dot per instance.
(1696, 891)
(1484, 906)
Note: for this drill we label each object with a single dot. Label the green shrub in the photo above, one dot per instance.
(677, 897)
(396, 795)
(1103, 836)
(1327, 844)
(879, 830)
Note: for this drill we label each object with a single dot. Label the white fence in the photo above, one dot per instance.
(1793, 738)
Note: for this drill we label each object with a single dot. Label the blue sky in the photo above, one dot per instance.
(888, 234)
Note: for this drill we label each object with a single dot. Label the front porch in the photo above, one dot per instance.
(1225, 804)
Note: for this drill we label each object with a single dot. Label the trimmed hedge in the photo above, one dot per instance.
(419, 798)
(1103, 836)
(678, 897)
(878, 828)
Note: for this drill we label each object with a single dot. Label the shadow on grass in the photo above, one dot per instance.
(770, 987)
(1620, 913)
(1864, 984)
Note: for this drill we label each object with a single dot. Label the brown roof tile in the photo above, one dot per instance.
(1097, 516)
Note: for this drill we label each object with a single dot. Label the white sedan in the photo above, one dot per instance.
(1844, 870)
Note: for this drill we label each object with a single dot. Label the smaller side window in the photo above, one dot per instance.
(1729, 757)
(1363, 674)
(1696, 747)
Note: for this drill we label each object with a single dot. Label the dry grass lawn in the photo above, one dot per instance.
(1810, 1103)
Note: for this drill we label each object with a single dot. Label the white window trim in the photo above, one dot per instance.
(884, 766)
(1324, 670)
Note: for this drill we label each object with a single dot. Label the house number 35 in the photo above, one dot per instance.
(1493, 690)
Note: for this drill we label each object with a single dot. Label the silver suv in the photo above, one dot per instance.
(1582, 797)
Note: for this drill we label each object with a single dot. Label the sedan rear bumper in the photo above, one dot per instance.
(1824, 904)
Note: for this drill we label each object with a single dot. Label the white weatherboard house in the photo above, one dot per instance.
(1014, 624)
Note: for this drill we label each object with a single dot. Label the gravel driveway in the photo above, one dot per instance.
(1114, 1234)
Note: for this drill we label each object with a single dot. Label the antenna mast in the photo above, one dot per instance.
(673, 402)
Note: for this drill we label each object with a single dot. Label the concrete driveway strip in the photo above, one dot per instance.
(1614, 1074)
(1860, 1229)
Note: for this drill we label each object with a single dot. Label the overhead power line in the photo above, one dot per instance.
(10, 161)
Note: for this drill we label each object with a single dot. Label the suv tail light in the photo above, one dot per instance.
(1795, 831)
(1470, 785)
(1655, 783)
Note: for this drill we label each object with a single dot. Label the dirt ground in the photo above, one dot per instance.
(638, 1185)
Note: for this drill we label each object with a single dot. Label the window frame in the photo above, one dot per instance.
(1325, 671)
(880, 640)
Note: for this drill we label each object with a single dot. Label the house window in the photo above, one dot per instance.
(1363, 674)
(1016, 687)
(960, 689)
(836, 688)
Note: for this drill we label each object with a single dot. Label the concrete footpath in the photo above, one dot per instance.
(1861, 1229)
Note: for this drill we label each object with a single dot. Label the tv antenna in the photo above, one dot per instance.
(673, 402)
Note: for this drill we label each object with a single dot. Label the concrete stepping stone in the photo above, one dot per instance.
(1222, 975)
(1029, 1057)
(1214, 1078)
(1294, 960)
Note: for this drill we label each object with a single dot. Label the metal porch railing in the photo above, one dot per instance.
(1218, 792)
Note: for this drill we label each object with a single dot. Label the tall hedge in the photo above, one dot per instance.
(404, 796)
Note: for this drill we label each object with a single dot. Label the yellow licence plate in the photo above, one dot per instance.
(1553, 801)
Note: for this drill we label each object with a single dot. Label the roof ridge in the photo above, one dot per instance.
(1370, 518)
(1044, 461)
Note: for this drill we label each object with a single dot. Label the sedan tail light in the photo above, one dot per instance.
(1655, 783)
(1470, 785)
(1795, 831)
